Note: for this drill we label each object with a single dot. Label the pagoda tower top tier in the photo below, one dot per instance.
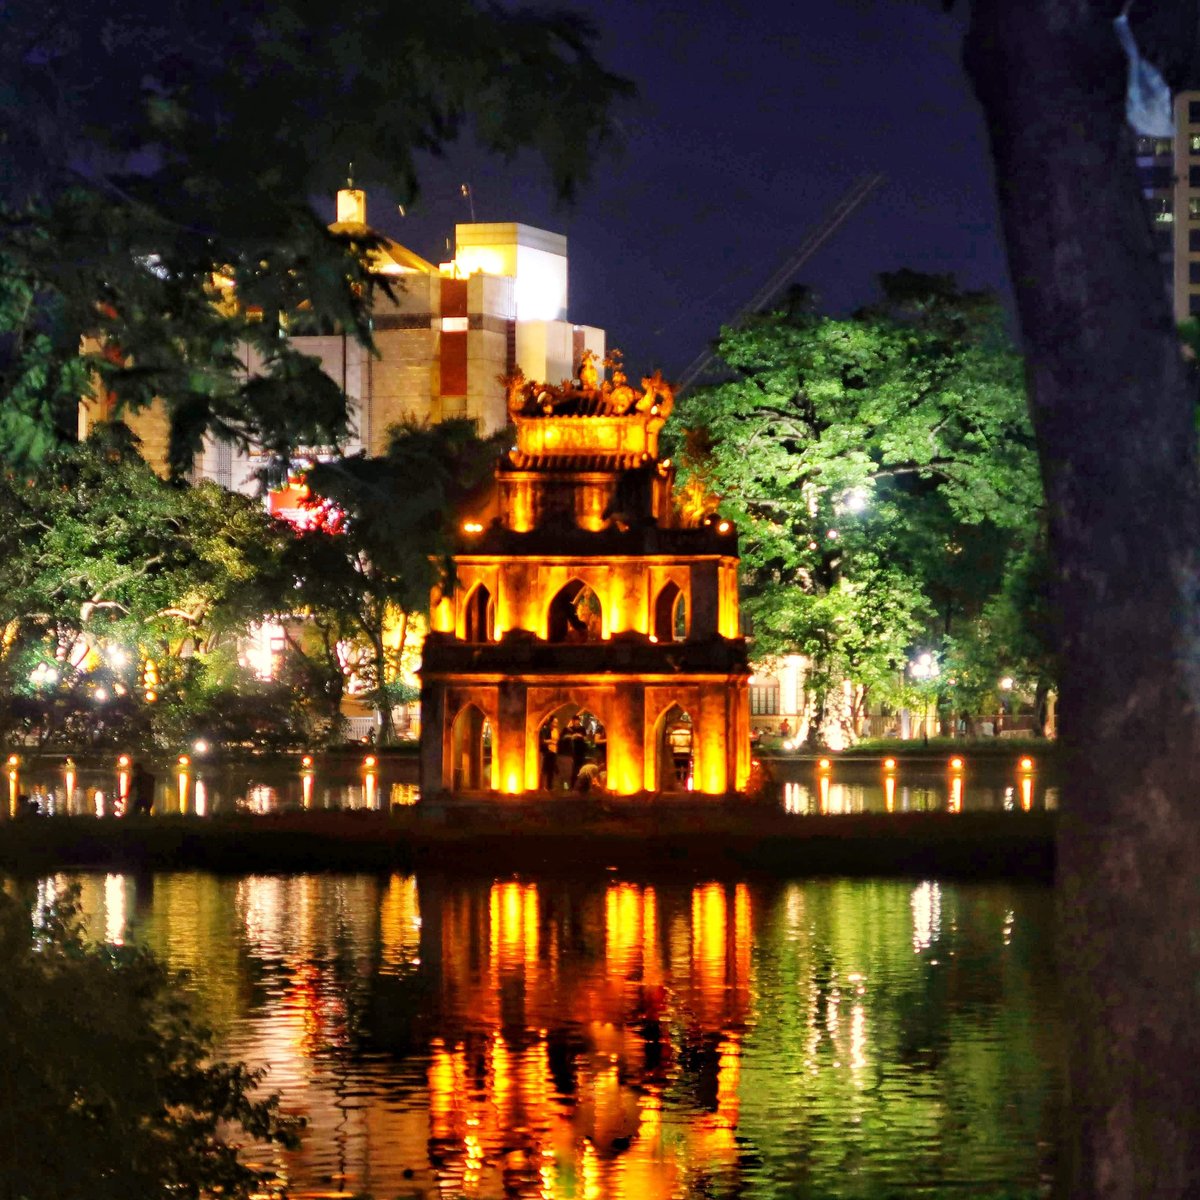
(589, 424)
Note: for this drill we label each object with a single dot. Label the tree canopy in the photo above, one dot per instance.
(880, 468)
(139, 213)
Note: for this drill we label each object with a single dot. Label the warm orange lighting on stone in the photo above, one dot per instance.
(585, 588)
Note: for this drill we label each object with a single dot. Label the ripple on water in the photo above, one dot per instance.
(838, 1038)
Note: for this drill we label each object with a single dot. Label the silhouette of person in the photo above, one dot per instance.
(141, 790)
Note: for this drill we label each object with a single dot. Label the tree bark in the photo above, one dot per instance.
(1113, 414)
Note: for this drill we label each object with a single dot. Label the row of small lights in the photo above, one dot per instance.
(956, 765)
(125, 761)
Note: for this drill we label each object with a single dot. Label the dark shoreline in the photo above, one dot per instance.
(559, 839)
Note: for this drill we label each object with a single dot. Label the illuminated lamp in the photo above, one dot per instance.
(123, 761)
(306, 762)
(724, 527)
(472, 527)
(824, 765)
(151, 697)
(184, 760)
(1027, 764)
(956, 764)
(654, 637)
(369, 762)
(889, 764)
(14, 760)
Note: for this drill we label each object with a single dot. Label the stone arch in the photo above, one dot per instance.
(670, 613)
(574, 614)
(471, 750)
(674, 749)
(479, 615)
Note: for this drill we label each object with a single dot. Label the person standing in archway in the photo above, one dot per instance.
(548, 755)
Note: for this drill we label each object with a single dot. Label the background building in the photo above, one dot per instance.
(1169, 170)
(445, 343)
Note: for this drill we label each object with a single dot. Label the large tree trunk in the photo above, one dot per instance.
(1113, 412)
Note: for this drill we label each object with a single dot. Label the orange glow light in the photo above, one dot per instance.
(184, 760)
(724, 527)
(13, 760)
(1027, 764)
(123, 761)
(472, 527)
(306, 761)
(369, 762)
(956, 764)
(889, 764)
(824, 765)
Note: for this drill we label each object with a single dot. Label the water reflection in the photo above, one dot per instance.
(522, 1039)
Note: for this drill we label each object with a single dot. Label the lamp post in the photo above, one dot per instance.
(923, 668)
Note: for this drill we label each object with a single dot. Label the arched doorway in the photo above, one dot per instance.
(572, 751)
(670, 614)
(575, 614)
(674, 750)
(479, 616)
(471, 751)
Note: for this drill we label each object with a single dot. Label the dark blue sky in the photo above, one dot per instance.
(752, 120)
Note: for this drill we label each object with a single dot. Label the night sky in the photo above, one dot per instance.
(751, 121)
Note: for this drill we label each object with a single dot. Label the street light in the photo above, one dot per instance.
(922, 668)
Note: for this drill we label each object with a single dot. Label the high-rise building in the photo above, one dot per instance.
(445, 343)
(1169, 169)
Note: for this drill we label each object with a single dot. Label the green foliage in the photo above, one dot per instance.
(381, 544)
(134, 200)
(879, 467)
(109, 1089)
(103, 565)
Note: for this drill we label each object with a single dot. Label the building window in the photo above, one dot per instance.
(1160, 208)
(1194, 304)
(764, 699)
(1194, 240)
(1194, 112)
(1194, 143)
(1194, 272)
(1194, 207)
(1194, 177)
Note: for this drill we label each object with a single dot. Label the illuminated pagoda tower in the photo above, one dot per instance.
(581, 590)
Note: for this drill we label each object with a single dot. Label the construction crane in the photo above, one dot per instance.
(817, 237)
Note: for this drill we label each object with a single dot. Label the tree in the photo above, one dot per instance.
(110, 1090)
(105, 568)
(383, 542)
(136, 214)
(879, 468)
(1113, 409)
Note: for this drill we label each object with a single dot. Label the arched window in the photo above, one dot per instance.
(470, 750)
(479, 617)
(670, 614)
(675, 732)
(575, 615)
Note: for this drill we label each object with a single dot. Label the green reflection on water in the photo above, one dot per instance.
(610, 1038)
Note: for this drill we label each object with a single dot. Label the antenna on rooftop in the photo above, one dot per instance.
(465, 189)
(350, 175)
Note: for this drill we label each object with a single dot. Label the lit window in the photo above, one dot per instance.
(454, 325)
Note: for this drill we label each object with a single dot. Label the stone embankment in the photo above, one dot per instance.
(555, 837)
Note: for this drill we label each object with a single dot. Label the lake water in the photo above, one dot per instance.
(613, 1037)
